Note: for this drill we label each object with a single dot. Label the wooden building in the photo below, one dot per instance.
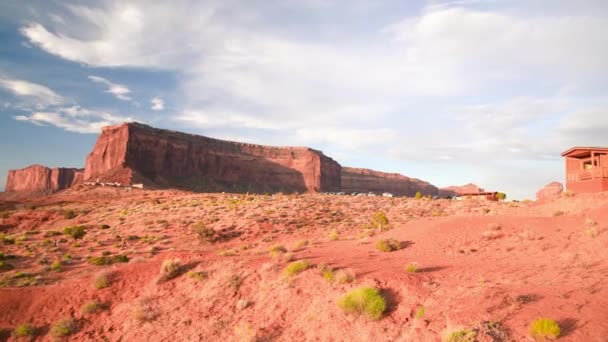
(586, 169)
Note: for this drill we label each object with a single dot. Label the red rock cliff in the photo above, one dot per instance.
(365, 180)
(137, 153)
(460, 189)
(41, 179)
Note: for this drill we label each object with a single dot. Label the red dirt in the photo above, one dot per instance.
(479, 261)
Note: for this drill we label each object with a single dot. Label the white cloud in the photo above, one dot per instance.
(118, 90)
(158, 104)
(74, 119)
(36, 92)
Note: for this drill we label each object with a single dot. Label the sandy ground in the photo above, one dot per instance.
(478, 262)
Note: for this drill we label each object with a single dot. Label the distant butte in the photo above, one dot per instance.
(132, 153)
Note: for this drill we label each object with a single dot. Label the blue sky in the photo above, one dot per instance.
(451, 92)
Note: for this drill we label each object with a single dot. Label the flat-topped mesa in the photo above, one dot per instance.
(456, 190)
(39, 179)
(366, 180)
(136, 153)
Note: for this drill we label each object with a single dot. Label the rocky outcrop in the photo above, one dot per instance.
(550, 191)
(136, 153)
(366, 180)
(456, 190)
(41, 179)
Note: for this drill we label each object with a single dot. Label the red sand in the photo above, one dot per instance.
(546, 260)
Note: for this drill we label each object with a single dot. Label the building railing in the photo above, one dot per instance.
(581, 175)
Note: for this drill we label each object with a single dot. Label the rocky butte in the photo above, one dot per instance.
(366, 180)
(38, 179)
(136, 153)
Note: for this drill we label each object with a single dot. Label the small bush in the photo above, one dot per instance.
(91, 307)
(69, 214)
(328, 274)
(501, 196)
(235, 281)
(276, 250)
(388, 245)
(170, 269)
(204, 233)
(420, 312)
(144, 312)
(64, 327)
(365, 300)
(76, 232)
(334, 235)
(380, 221)
(101, 281)
(418, 195)
(24, 330)
(411, 268)
(296, 267)
(300, 244)
(7, 240)
(107, 260)
(343, 277)
(465, 335)
(544, 328)
(197, 275)
(56, 266)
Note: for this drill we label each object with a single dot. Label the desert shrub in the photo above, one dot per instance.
(328, 274)
(334, 235)
(64, 327)
(204, 233)
(493, 329)
(411, 268)
(76, 232)
(379, 221)
(544, 328)
(144, 312)
(24, 330)
(464, 335)
(420, 312)
(91, 307)
(56, 266)
(418, 195)
(388, 245)
(51, 233)
(102, 280)
(170, 269)
(69, 214)
(276, 250)
(300, 244)
(365, 300)
(6, 239)
(558, 213)
(501, 196)
(296, 267)
(235, 281)
(107, 260)
(343, 277)
(197, 275)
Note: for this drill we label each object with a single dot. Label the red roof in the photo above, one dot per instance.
(583, 150)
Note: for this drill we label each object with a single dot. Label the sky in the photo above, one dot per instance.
(451, 92)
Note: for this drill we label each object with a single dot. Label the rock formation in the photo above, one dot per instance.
(365, 180)
(550, 191)
(136, 153)
(38, 179)
(456, 190)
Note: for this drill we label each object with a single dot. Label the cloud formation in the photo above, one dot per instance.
(36, 92)
(74, 119)
(118, 90)
(158, 104)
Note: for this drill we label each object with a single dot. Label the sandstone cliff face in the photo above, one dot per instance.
(136, 153)
(41, 179)
(365, 180)
(459, 190)
(550, 191)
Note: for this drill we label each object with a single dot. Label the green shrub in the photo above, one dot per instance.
(411, 268)
(24, 330)
(365, 300)
(204, 233)
(91, 307)
(296, 267)
(328, 274)
(56, 266)
(101, 281)
(6, 239)
(465, 335)
(107, 260)
(380, 221)
(69, 214)
(544, 328)
(64, 327)
(76, 232)
(418, 195)
(170, 269)
(388, 245)
(276, 250)
(501, 196)
(420, 312)
(197, 275)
